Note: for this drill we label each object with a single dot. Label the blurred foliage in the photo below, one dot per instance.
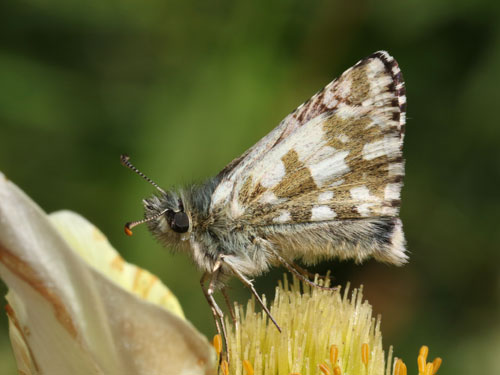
(186, 86)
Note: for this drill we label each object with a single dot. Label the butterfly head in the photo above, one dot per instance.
(166, 217)
(164, 213)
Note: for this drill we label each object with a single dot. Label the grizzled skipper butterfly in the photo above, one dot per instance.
(325, 183)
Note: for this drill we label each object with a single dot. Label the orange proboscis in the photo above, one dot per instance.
(128, 231)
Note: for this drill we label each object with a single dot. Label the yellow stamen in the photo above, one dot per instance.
(424, 351)
(437, 364)
(248, 367)
(324, 369)
(403, 369)
(224, 366)
(307, 348)
(399, 368)
(421, 364)
(334, 354)
(217, 343)
(429, 369)
(365, 353)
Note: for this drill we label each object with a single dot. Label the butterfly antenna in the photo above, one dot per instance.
(125, 160)
(131, 224)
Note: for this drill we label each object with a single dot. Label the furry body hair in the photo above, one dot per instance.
(251, 248)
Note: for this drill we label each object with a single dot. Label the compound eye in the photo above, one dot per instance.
(180, 222)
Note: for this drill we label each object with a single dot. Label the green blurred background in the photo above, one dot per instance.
(186, 86)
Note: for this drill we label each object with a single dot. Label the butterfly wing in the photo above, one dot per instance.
(351, 88)
(337, 157)
(342, 148)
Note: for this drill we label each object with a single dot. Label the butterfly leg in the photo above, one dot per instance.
(216, 311)
(294, 271)
(249, 284)
(228, 303)
(306, 273)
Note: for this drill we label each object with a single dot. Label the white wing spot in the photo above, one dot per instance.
(271, 198)
(402, 117)
(344, 87)
(386, 146)
(361, 193)
(330, 168)
(274, 176)
(364, 209)
(389, 211)
(375, 66)
(325, 197)
(329, 98)
(283, 218)
(343, 138)
(322, 213)
(396, 169)
(310, 145)
(391, 191)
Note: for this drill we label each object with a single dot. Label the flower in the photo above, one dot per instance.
(76, 307)
(323, 332)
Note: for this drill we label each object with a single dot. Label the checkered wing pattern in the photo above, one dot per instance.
(337, 156)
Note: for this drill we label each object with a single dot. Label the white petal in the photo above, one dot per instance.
(71, 317)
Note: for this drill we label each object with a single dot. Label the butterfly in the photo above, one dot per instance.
(325, 183)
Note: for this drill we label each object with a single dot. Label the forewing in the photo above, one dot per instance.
(338, 156)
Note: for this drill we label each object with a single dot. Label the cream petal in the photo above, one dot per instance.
(71, 318)
(89, 242)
